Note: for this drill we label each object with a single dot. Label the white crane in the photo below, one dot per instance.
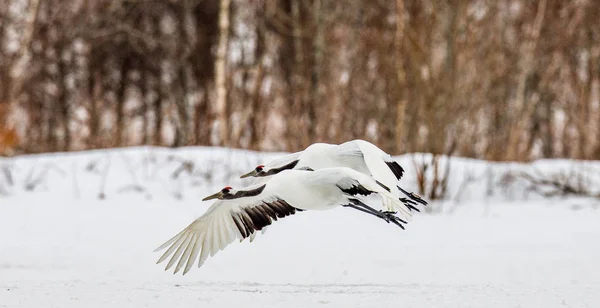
(359, 155)
(241, 213)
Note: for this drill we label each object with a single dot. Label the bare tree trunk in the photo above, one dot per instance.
(456, 12)
(65, 108)
(522, 111)
(584, 116)
(198, 111)
(237, 131)
(221, 74)
(185, 49)
(586, 101)
(594, 77)
(95, 92)
(257, 110)
(144, 108)
(50, 117)
(158, 113)
(24, 55)
(547, 129)
(12, 82)
(181, 103)
(315, 97)
(401, 77)
(35, 131)
(295, 139)
(256, 107)
(121, 97)
(203, 117)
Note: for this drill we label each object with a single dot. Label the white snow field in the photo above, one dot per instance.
(62, 246)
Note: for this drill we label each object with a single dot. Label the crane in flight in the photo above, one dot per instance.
(359, 155)
(239, 214)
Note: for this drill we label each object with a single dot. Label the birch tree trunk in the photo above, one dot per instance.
(11, 86)
(24, 55)
(220, 74)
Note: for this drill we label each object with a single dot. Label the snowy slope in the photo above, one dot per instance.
(62, 246)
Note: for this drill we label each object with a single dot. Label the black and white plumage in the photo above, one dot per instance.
(240, 214)
(359, 155)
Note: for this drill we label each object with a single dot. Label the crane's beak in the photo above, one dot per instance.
(214, 196)
(251, 173)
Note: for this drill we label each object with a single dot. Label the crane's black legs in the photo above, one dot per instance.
(387, 216)
(409, 204)
(415, 198)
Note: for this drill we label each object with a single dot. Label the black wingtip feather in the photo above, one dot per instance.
(396, 168)
(253, 219)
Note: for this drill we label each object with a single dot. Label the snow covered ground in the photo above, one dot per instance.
(78, 230)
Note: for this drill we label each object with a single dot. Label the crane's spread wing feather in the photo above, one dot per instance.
(224, 222)
(349, 148)
(349, 155)
(382, 166)
(384, 169)
(395, 167)
(253, 235)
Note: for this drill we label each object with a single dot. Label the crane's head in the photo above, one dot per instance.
(227, 191)
(272, 169)
(256, 172)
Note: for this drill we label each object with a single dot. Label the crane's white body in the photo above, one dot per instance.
(359, 155)
(306, 190)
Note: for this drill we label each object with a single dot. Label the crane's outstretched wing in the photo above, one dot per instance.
(382, 166)
(367, 158)
(384, 169)
(253, 235)
(394, 166)
(224, 222)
